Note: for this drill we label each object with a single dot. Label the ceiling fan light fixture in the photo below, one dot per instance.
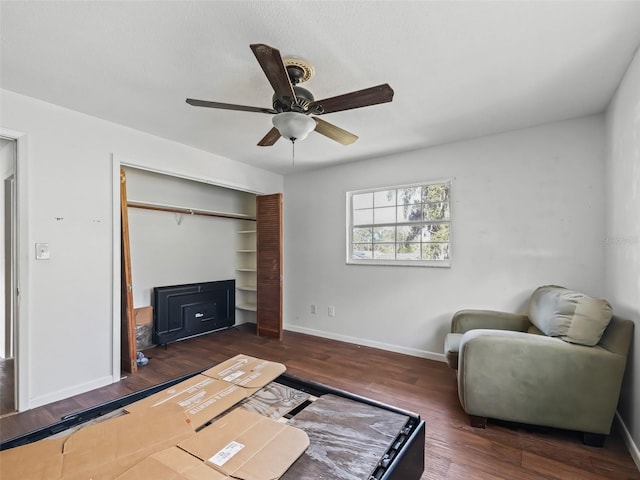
(293, 125)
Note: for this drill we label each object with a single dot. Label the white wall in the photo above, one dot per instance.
(622, 229)
(527, 211)
(69, 328)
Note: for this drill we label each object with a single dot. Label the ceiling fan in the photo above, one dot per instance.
(293, 105)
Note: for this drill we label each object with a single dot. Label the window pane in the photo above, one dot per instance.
(438, 192)
(435, 232)
(384, 215)
(409, 196)
(363, 217)
(436, 211)
(361, 250)
(408, 251)
(384, 234)
(409, 213)
(435, 251)
(410, 225)
(384, 199)
(361, 235)
(384, 251)
(362, 200)
(408, 233)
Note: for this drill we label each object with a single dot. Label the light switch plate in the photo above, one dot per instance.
(42, 251)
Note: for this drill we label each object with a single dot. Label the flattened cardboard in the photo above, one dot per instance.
(40, 460)
(107, 449)
(200, 398)
(247, 446)
(245, 371)
(143, 315)
(171, 464)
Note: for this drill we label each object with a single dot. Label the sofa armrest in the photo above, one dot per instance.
(617, 336)
(466, 320)
(539, 380)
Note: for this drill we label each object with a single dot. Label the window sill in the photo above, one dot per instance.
(401, 263)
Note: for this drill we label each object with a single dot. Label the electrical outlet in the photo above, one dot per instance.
(331, 311)
(314, 309)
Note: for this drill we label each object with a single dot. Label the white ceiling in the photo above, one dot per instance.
(459, 69)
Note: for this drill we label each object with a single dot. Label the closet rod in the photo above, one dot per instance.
(187, 211)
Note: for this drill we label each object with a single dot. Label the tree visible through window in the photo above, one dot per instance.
(407, 225)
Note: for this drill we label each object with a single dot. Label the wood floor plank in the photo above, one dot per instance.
(557, 470)
(454, 450)
(613, 469)
(462, 472)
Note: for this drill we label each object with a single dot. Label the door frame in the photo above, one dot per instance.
(21, 272)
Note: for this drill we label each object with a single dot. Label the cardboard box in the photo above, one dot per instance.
(247, 446)
(200, 399)
(145, 434)
(143, 315)
(107, 449)
(172, 464)
(40, 460)
(248, 372)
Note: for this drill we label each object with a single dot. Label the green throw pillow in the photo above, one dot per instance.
(572, 316)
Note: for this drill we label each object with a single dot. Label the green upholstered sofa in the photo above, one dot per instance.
(509, 369)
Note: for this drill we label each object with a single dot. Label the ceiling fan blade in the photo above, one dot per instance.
(329, 130)
(228, 106)
(273, 67)
(361, 98)
(270, 138)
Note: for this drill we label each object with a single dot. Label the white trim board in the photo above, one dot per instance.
(628, 440)
(414, 352)
(116, 272)
(22, 326)
(70, 392)
(149, 167)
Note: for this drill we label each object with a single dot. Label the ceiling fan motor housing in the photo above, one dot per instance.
(287, 104)
(297, 74)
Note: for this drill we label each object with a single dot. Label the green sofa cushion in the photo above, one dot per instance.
(451, 348)
(572, 316)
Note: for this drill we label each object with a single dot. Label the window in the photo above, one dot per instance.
(403, 225)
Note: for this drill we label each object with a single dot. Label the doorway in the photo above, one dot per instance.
(8, 208)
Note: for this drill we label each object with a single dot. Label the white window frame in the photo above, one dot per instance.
(413, 263)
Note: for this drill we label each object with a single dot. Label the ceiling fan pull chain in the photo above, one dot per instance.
(293, 153)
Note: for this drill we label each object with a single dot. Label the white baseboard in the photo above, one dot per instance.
(414, 352)
(628, 440)
(70, 392)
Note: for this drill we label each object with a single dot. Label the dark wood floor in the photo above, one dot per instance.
(454, 450)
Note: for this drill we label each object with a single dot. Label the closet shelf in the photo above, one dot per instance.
(246, 231)
(247, 306)
(247, 288)
(245, 269)
(246, 251)
(186, 210)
